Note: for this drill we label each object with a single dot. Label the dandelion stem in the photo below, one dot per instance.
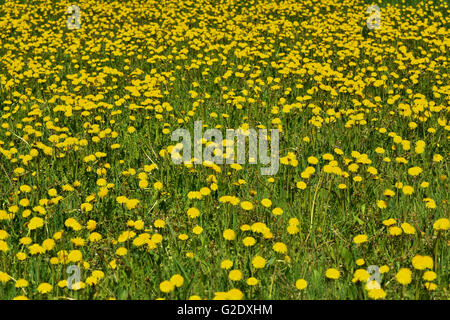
(312, 208)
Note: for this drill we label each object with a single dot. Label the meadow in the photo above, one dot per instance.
(93, 207)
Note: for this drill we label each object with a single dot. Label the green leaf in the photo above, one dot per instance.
(123, 294)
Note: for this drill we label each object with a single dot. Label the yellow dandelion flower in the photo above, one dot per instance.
(74, 256)
(422, 262)
(301, 284)
(414, 171)
(193, 212)
(252, 281)
(384, 269)
(166, 286)
(381, 204)
(159, 223)
(4, 277)
(235, 275)
(301, 185)
(258, 262)
(361, 238)
(246, 205)
(158, 185)
(235, 294)
(377, 294)
(394, 231)
(248, 241)
(229, 234)
(226, 264)
(430, 286)
(408, 190)
(35, 223)
(177, 280)
(389, 222)
(360, 262)
(407, 228)
(266, 202)
(403, 276)
(360, 275)
(442, 224)
(429, 276)
(280, 247)
(277, 211)
(44, 288)
(332, 273)
(292, 229)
